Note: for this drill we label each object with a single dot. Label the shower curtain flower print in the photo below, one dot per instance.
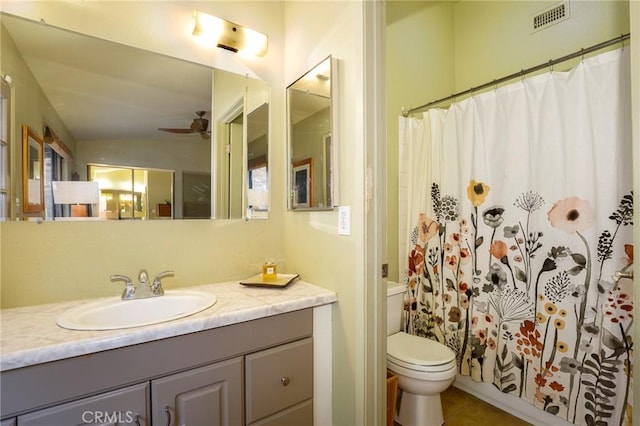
(528, 309)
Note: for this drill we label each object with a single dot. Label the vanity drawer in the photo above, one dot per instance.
(278, 378)
(298, 415)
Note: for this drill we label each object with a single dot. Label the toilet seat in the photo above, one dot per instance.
(419, 353)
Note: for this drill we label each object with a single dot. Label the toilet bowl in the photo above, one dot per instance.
(425, 368)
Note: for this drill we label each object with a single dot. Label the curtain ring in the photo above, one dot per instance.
(550, 65)
(582, 54)
(522, 75)
(622, 41)
(495, 85)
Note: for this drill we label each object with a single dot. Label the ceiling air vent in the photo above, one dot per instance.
(550, 16)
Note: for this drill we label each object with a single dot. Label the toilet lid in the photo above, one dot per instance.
(416, 350)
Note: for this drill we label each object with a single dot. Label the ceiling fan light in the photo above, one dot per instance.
(228, 35)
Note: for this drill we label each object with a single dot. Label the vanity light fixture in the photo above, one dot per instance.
(228, 35)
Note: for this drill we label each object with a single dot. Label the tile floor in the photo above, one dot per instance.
(463, 409)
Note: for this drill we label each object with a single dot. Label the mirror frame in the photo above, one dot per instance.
(30, 137)
(332, 178)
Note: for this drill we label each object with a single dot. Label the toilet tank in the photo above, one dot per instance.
(395, 296)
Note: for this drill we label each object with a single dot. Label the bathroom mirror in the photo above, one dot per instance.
(312, 143)
(32, 171)
(106, 102)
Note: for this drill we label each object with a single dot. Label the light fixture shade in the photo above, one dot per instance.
(75, 192)
(228, 35)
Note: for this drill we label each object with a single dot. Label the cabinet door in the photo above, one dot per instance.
(119, 407)
(278, 378)
(210, 395)
(8, 422)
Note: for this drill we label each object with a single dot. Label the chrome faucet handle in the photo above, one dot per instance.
(129, 290)
(143, 276)
(156, 287)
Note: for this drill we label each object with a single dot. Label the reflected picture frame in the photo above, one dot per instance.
(32, 171)
(302, 179)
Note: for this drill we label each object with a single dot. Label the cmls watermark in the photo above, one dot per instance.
(113, 417)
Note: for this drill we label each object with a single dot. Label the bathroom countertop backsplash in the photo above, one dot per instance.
(30, 335)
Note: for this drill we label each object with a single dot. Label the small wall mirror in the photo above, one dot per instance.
(32, 171)
(312, 162)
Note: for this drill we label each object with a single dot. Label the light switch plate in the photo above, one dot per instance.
(344, 220)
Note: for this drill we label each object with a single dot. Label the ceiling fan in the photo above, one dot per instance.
(198, 125)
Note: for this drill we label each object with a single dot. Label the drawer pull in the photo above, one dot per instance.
(166, 410)
(284, 380)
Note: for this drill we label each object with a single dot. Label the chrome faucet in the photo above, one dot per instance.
(144, 289)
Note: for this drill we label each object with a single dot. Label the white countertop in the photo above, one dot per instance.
(31, 336)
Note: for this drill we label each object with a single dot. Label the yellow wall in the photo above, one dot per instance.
(437, 48)
(315, 30)
(63, 261)
(51, 262)
(420, 64)
(493, 39)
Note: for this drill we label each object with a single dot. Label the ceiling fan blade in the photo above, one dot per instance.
(177, 130)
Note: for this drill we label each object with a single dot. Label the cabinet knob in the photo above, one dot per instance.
(284, 380)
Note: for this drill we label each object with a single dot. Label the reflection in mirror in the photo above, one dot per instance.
(240, 137)
(257, 164)
(311, 142)
(127, 193)
(107, 102)
(32, 171)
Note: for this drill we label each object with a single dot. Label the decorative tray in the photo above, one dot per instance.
(281, 281)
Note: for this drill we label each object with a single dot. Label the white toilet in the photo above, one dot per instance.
(424, 367)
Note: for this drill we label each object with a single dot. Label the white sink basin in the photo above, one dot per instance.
(116, 313)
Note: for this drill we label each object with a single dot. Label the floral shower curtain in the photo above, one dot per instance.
(520, 211)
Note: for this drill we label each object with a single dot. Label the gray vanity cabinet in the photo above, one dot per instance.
(123, 406)
(278, 379)
(257, 372)
(210, 395)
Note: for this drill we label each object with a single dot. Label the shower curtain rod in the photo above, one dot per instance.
(522, 73)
